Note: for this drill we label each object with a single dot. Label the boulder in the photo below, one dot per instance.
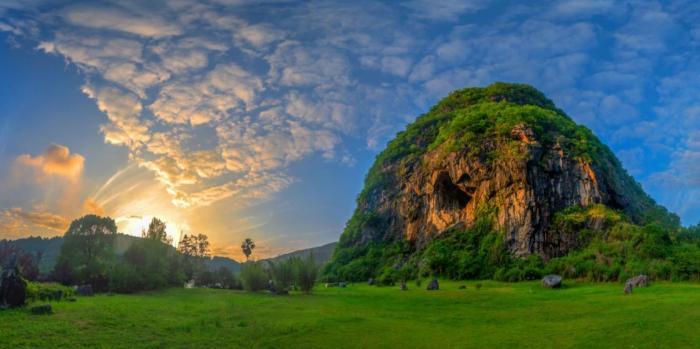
(342, 284)
(403, 286)
(271, 287)
(462, 287)
(370, 281)
(478, 286)
(638, 281)
(628, 288)
(44, 309)
(551, 281)
(13, 289)
(84, 290)
(433, 285)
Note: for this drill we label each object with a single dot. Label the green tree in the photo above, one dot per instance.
(194, 248)
(156, 231)
(254, 277)
(306, 273)
(226, 279)
(247, 246)
(149, 263)
(87, 252)
(283, 273)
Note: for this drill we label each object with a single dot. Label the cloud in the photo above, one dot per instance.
(582, 8)
(90, 206)
(17, 222)
(443, 10)
(294, 64)
(202, 99)
(120, 20)
(123, 110)
(259, 35)
(56, 162)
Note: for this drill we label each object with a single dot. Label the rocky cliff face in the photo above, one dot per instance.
(504, 148)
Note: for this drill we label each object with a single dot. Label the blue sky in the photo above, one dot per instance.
(259, 119)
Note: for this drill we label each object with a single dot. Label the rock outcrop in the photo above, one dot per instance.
(506, 148)
(638, 281)
(551, 281)
(434, 285)
(13, 289)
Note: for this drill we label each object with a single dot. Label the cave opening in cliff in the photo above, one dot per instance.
(450, 195)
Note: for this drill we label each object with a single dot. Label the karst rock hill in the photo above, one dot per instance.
(505, 149)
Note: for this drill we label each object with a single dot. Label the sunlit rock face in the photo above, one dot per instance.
(448, 191)
(529, 162)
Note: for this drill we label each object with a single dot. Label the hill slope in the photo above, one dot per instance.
(322, 254)
(503, 159)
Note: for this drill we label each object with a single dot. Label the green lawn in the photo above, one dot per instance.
(521, 315)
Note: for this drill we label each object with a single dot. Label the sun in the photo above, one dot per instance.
(134, 225)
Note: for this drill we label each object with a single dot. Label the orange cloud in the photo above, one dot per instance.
(57, 161)
(16, 222)
(90, 206)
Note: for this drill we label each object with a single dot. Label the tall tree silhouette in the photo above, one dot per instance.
(247, 246)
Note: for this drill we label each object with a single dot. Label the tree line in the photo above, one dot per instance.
(90, 256)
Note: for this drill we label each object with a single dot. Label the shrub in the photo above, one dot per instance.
(224, 278)
(389, 276)
(306, 273)
(686, 262)
(283, 273)
(48, 292)
(44, 309)
(254, 277)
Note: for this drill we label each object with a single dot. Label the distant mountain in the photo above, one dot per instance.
(217, 262)
(322, 254)
(50, 248)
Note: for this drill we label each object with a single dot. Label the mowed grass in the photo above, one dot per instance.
(521, 315)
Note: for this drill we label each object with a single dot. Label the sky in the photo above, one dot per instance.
(259, 119)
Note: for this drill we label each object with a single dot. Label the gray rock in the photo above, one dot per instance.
(433, 285)
(628, 288)
(403, 286)
(638, 281)
(342, 284)
(84, 290)
(551, 281)
(13, 289)
(370, 281)
(44, 309)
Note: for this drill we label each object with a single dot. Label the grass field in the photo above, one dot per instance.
(521, 315)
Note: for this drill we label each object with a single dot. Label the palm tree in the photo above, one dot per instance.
(247, 246)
